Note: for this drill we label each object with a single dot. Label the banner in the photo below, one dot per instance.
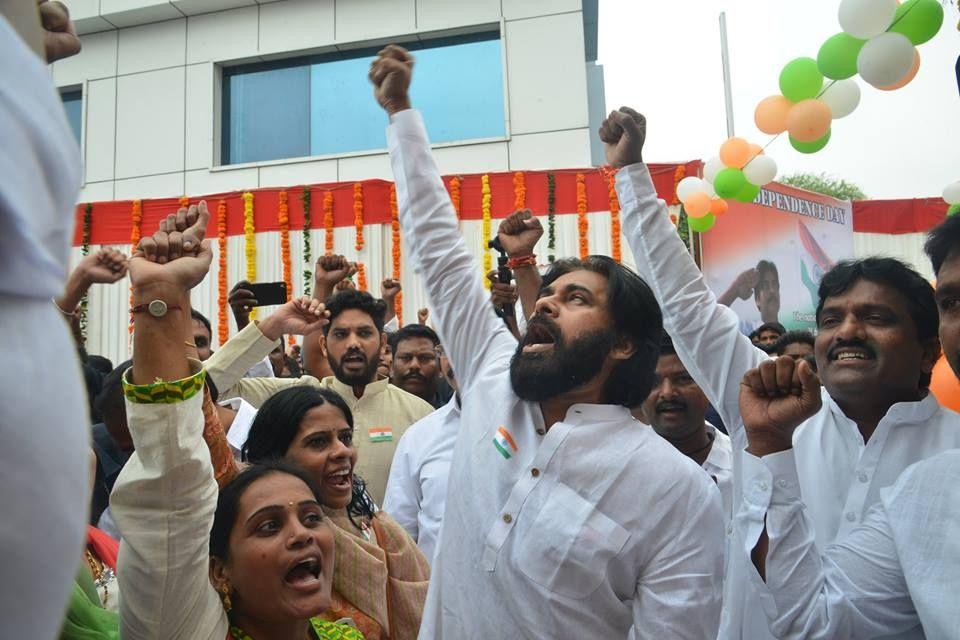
(784, 241)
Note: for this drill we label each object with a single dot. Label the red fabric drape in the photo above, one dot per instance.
(110, 221)
(898, 216)
(104, 547)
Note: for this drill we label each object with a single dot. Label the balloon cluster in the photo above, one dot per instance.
(737, 173)
(878, 42)
(952, 195)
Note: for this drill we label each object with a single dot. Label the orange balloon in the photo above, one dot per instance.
(697, 205)
(718, 207)
(771, 114)
(755, 150)
(945, 386)
(735, 153)
(905, 80)
(809, 120)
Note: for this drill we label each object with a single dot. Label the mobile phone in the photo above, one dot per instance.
(269, 293)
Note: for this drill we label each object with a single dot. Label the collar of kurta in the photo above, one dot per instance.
(596, 413)
(916, 412)
(346, 390)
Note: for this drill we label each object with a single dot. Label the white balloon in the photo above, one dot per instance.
(865, 19)
(842, 97)
(712, 167)
(708, 187)
(689, 186)
(885, 59)
(760, 170)
(952, 193)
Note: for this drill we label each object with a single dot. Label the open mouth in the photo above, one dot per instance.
(305, 574)
(850, 354)
(538, 338)
(354, 360)
(341, 480)
(671, 408)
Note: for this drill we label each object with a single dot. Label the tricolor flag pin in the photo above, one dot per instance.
(381, 434)
(503, 441)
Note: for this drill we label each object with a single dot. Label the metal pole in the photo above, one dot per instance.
(725, 60)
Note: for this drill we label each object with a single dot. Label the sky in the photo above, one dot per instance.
(663, 59)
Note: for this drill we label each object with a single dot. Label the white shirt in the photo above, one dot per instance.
(719, 464)
(263, 369)
(417, 488)
(240, 427)
(585, 530)
(840, 476)
(898, 569)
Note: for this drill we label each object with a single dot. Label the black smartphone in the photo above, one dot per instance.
(269, 293)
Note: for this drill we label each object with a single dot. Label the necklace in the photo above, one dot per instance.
(102, 574)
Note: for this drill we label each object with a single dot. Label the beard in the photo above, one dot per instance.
(367, 375)
(543, 375)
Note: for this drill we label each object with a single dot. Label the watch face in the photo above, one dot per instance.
(157, 308)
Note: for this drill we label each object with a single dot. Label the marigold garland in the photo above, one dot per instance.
(250, 242)
(615, 248)
(283, 219)
(223, 323)
(519, 191)
(395, 249)
(307, 249)
(136, 217)
(328, 222)
(678, 174)
(184, 201)
(361, 277)
(582, 224)
(358, 214)
(455, 197)
(85, 251)
(551, 217)
(485, 208)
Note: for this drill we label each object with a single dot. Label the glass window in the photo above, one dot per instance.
(323, 105)
(73, 105)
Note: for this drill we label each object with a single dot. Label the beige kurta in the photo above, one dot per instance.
(382, 406)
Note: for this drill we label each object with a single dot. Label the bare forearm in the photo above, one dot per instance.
(528, 287)
(77, 285)
(728, 297)
(158, 350)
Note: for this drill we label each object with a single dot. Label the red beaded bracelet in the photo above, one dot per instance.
(522, 261)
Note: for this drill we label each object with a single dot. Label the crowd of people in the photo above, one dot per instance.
(619, 457)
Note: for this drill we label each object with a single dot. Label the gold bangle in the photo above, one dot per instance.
(69, 314)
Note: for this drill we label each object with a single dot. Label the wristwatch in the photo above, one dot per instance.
(156, 308)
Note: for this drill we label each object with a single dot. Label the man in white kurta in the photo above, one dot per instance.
(591, 528)
(840, 475)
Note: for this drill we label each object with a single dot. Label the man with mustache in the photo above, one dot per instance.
(416, 365)
(354, 340)
(676, 409)
(876, 346)
(901, 568)
(563, 518)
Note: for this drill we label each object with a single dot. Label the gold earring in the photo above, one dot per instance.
(225, 597)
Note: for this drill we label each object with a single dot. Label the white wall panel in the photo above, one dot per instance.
(365, 167)
(514, 9)
(97, 59)
(224, 35)
(202, 182)
(554, 150)
(195, 7)
(96, 192)
(296, 24)
(472, 158)
(101, 114)
(374, 19)
(150, 123)
(166, 185)
(128, 13)
(199, 116)
(443, 14)
(546, 96)
(152, 46)
(291, 175)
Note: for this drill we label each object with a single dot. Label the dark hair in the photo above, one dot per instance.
(890, 272)
(636, 316)
(942, 240)
(793, 337)
(293, 366)
(415, 331)
(666, 345)
(228, 502)
(392, 340)
(769, 326)
(277, 423)
(100, 363)
(110, 399)
(359, 300)
(196, 315)
(765, 265)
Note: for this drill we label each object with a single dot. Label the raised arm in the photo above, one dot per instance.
(165, 498)
(705, 333)
(519, 233)
(468, 327)
(328, 272)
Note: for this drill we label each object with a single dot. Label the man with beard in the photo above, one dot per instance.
(676, 409)
(563, 518)
(899, 570)
(875, 348)
(416, 365)
(354, 340)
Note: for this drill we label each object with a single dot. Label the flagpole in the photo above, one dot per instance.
(725, 60)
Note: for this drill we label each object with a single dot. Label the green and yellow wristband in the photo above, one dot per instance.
(162, 392)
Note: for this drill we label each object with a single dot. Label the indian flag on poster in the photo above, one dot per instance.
(381, 434)
(503, 441)
(813, 262)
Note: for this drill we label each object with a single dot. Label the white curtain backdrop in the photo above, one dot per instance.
(108, 306)
(905, 246)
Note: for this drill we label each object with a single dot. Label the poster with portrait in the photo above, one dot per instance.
(766, 258)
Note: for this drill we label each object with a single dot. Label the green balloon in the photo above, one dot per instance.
(953, 210)
(702, 224)
(919, 20)
(801, 80)
(728, 182)
(838, 56)
(810, 147)
(748, 193)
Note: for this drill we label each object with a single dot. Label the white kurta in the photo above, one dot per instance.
(589, 529)
(840, 475)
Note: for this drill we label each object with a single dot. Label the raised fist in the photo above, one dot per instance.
(519, 233)
(774, 399)
(623, 133)
(390, 74)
